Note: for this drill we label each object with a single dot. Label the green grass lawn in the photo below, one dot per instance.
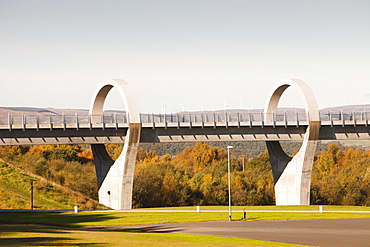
(38, 235)
(68, 228)
(298, 208)
(86, 219)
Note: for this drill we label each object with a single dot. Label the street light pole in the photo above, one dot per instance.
(31, 194)
(229, 178)
(243, 159)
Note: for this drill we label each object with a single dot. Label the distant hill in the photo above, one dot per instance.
(348, 108)
(19, 110)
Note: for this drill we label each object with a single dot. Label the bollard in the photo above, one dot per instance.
(244, 215)
(320, 209)
(76, 209)
(198, 209)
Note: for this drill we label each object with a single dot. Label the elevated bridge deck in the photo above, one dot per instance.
(36, 129)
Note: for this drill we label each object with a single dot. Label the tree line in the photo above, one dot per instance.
(198, 174)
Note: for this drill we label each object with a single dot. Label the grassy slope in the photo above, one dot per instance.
(15, 192)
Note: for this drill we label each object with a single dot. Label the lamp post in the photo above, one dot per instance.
(31, 194)
(243, 160)
(229, 178)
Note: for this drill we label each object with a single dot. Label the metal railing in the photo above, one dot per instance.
(62, 119)
(249, 118)
(216, 117)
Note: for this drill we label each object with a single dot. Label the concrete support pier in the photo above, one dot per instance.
(292, 176)
(115, 178)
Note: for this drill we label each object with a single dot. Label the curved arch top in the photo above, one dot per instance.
(303, 89)
(129, 100)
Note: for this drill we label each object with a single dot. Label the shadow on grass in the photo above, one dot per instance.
(139, 229)
(36, 235)
(53, 218)
(35, 228)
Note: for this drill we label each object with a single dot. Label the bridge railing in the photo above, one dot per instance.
(344, 116)
(246, 118)
(53, 119)
(185, 117)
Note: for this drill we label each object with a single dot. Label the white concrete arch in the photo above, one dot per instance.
(292, 176)
(124, 89)
(115, 178)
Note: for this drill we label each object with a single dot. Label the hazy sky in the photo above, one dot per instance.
(197, 54)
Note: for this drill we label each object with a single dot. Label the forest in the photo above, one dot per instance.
(197, 174)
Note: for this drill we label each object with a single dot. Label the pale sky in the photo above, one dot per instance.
(197, 54)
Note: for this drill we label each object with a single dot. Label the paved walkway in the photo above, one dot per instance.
(334, 232)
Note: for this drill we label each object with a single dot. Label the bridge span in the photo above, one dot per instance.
(44, 129)
(292, 175)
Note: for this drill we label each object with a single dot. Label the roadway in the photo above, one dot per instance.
(329, 232)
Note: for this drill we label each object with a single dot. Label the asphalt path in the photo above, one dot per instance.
(331, 232)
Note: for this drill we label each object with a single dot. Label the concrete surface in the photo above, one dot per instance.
(333, 232)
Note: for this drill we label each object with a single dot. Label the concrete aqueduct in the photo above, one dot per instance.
(292, 176)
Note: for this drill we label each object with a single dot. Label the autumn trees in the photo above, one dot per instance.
(341, 177)
(198, 174)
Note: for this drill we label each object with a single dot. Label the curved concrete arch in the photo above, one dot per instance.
(292, 176)
(124, 89)
(115, 178)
